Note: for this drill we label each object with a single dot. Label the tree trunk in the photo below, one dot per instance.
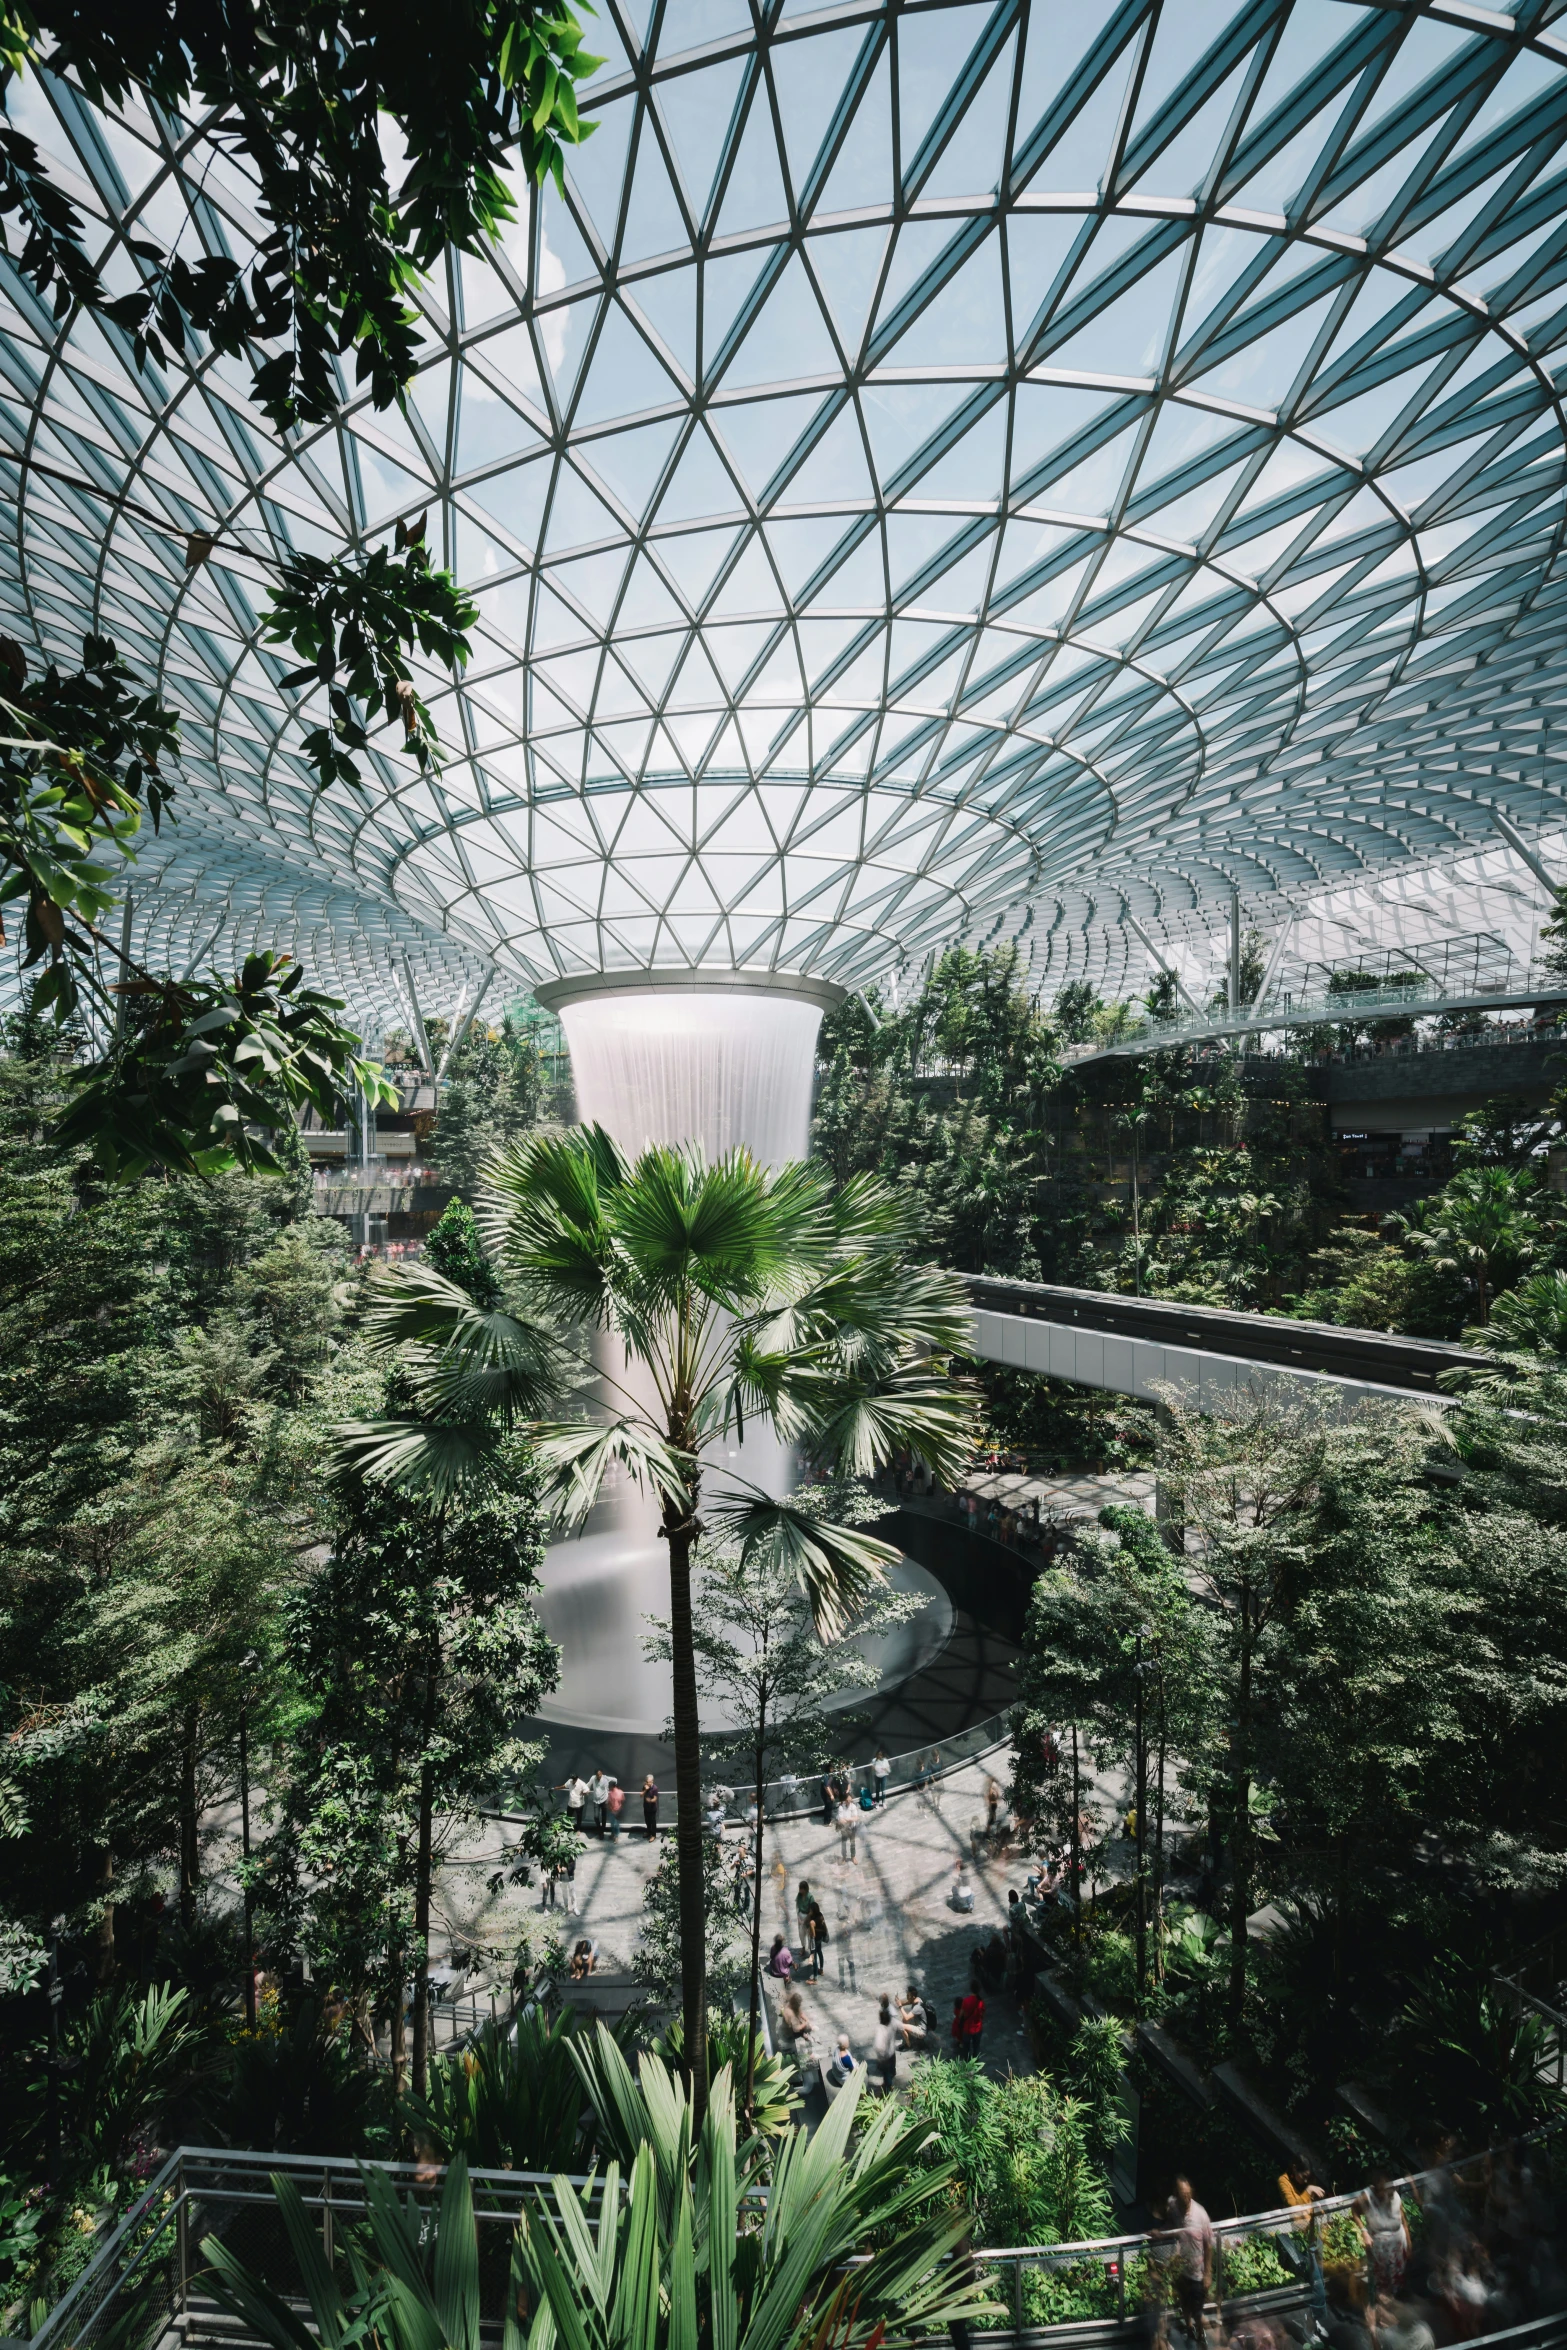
(759, 1762)
(679, 1531)
(1158, 1849)
(397, 2028)
(104, 1967)
(423, 1870)
(190, 1858)
(1240, 1824)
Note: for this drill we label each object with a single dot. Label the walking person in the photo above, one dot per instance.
(992, 1807)
(818, 1936)
(780, 1877)
(576, 1793)
(802, 1910)
(1193, 2261)
(598, 1789)
(829, 1799)
(1384, 2230)
(650, 1807)
(847, 1850)
(615, 1802)
(884, 2047)
(881, 1772)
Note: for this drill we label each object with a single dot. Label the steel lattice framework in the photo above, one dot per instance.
(971, 468)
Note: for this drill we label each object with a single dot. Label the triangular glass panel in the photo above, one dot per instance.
(736, 649)
(624, 376)
(1026, 545)
(1275, 185)
(1039, 246)
(1184, 166)
(789, 338)
(485, 294)
(751, 586)
(930, 49)
(694, 561)
(966, 324)
(847, 266)
(698, 110)
(754, 197)
(974, 470)
(594, 582)
(630, 463)
(651, 659)
(596, 170)
(1092, 486)
(387, 489)
(1127, 337)
(1262, 374)
(689, 24)
(564, 255)
(515, 499)
(1190, 516)
(577, 517)
(809, 78)
(902, 418)
(800, 548)
(726, 282)
(1080, 156)
(565, 334)
(858, 581)
(920, 244)
(654, 221)
(974, 158)
(862, 174)
(835, 469)
(759, 434)
(696, 687)
(647, 602)
(668, 303)
(700, 486)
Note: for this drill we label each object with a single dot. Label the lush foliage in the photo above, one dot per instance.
(299, 93)
(734, 1292)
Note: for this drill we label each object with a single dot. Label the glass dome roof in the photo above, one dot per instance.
(943, 470)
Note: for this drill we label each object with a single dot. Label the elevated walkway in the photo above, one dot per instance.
(1533, 986)
(1136, 1345)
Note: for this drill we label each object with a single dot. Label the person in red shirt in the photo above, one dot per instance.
(968, 2023)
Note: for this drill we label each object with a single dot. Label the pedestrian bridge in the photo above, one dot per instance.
(1139, 1345)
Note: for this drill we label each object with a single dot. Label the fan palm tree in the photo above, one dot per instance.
(1480, 1226)
(737, 1293)
(851, 2243)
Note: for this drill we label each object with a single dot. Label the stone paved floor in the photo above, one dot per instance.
(887, 1910)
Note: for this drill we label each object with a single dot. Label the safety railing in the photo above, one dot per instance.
(147, 2285)
(922, 1769)
(1293, 2256)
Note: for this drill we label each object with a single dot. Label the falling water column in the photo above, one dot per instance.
(717, 1058)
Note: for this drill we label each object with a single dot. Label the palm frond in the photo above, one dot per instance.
(839, 1568)
(859, 1425)
(543, 1212)
(437, 1458)
(575, 1456)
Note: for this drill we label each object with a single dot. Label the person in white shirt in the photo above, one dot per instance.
(598, 1788)
(881, 1772)
(576, 1796)
(715, 1815)
(962, 1895)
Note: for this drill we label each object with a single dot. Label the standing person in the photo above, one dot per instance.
(829, 1799)
(650, 1808)
(846, 1838)
(847, 1979)
(802, 1910)
(1193, 2262)
(1384, 2230)
(884, 2047)
(968, 2024)
(992, 1807)
(780, 1877)
(576, 1791)
(616, 1802)
(881, 1772)
(598, 1789)
(816, 1930)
